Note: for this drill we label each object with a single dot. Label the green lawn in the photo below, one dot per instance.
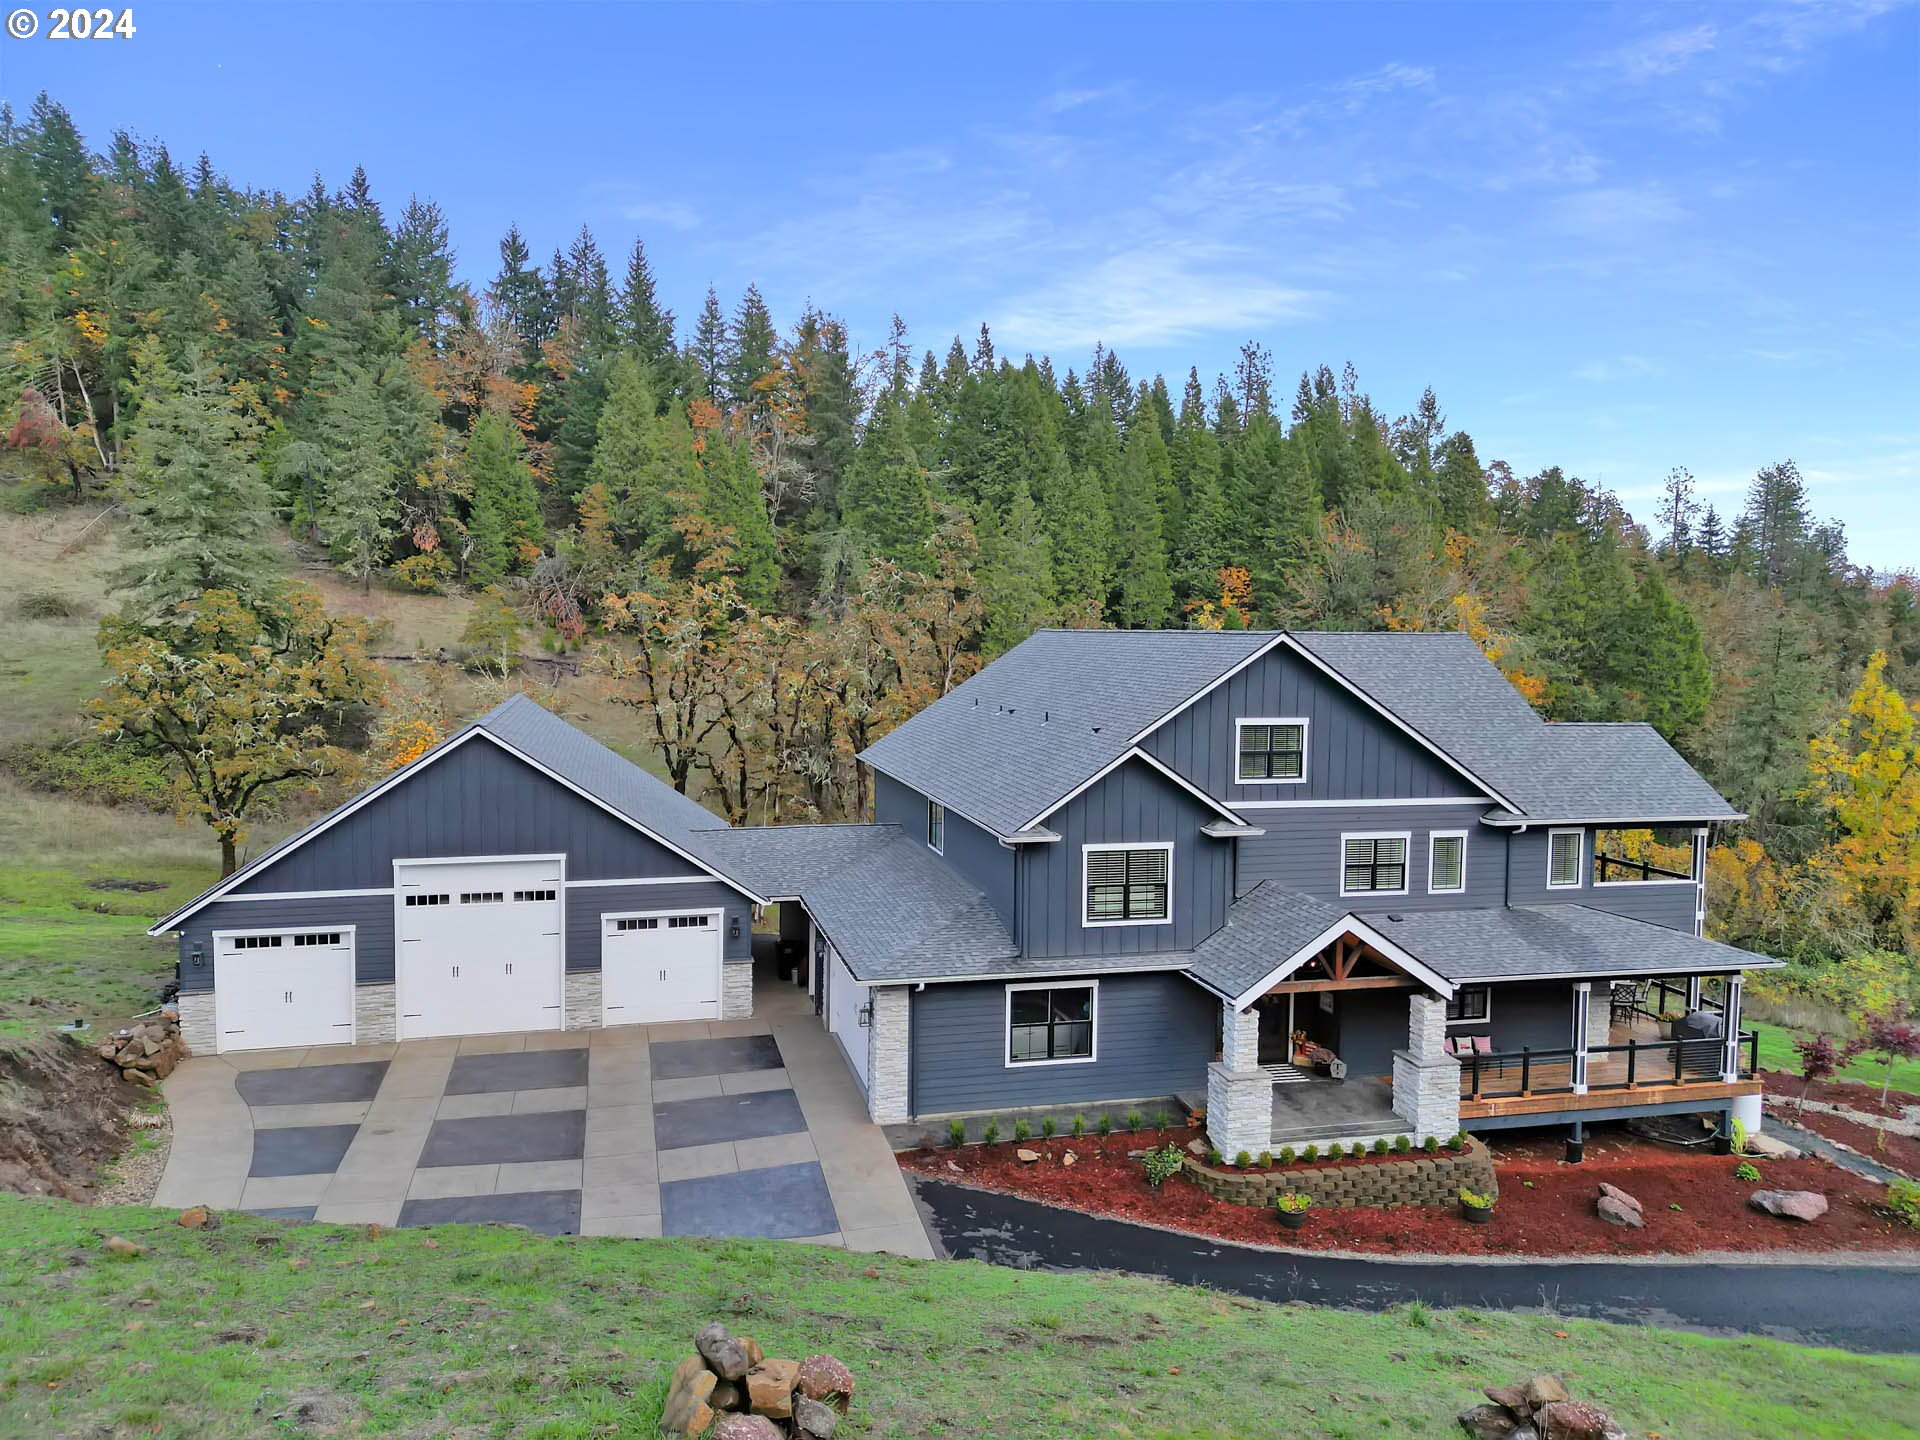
(1776, 1053)
(70, 944)
(253, 1329)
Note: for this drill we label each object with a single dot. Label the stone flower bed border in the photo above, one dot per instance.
(1383, 1181)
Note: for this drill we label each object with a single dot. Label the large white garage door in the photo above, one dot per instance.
(660, 967)
(479, 947)
(846, 1002)
(279, 988)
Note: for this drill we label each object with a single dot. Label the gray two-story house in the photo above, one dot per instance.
(1322, 886)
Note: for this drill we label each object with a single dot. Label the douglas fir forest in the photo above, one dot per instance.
(758, 542)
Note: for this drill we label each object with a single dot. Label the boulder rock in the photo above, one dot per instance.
(1617, 1212)
(196, 1217)
(1026, 1156)
(725, 1355)
(685, 1371)
(1197, 1147)
(1514, 1397)
(1545, 1390)
(120, 1245)
(1790, 1204)
(1069, 1158)
(727, 1396)
(687, 1399)
(770, 1387)
(814, 1420)
(1614, 1192)
(745, 1427)
(1576, 1420)
(826, 1379)
(754, 1353)
(1487, 1422)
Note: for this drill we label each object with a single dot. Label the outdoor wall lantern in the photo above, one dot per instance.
(733, 929)
(195, 957)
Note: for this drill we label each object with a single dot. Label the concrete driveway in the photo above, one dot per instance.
(732, 1127)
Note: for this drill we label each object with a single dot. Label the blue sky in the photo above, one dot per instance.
(1616, 238)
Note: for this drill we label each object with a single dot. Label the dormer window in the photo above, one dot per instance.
(1271, 752)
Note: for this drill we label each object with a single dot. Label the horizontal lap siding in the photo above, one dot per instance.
(585, 906)
(1301, 851)
(1538, 1014)
(1668, 905)
(478, 800)
(1134, 803)
(370, 915)
(1156, 1034)
(1671, 906)
(1371, 1025)
(967, 848)
(1353, 752)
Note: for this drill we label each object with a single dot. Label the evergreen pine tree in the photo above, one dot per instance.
(422, 263)
(504, 515)
(1144, 595)
(1460, 485)
(358, 505)
(752, 342)
(641, 325)
(643, 472)
(730, 497)
(1667, 660)
(1015, 577)
(708, 349)
(885, 500)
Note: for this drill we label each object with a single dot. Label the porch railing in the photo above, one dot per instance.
(1605, 866)
(1636, 1064)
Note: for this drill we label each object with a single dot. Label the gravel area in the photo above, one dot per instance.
(135, 1172)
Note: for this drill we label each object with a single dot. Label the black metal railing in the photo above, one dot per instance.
(1605, 865)
(1505, 1074)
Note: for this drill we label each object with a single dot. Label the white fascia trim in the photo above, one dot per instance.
(1210, 687)
(305, 895)
(367, 797)
(1030, 837)
(652, 880)
(1136, 753)
(1387, 802)
(1706, 971)
(1359, 929)
(1620, 822)
(1220, 830)
(1049, 977)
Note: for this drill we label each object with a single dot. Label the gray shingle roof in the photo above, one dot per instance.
(612, 778)
(1442, 686)
(1052, 711)
(1553, 940)
(892, 908)
(1055, 709)
(1264, 927)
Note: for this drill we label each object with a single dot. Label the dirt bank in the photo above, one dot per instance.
(63, 1114)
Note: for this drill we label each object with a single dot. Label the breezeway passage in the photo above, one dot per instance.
(747, 1127)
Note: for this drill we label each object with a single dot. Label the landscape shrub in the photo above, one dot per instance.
(1161, 1120)
(1162, 1165)
(1402, 1144)
(1747, 1172)
(1380, 1146)
(1244, 1159)
(1903, 1200)
(991, 1135)
(1431, 1144)
(48, 604)
(1022, 1130)
(1459, 1140)
(1079, 1126)
(956, 1133)
(1047, 1126)
(1213, 1157)
(1287, 1156)
(1134, 1121)
(1310, 1154)
(1266, 1157)
(1335, 1152)
(1105, 1125)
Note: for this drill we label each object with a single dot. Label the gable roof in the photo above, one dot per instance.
(533, 734)
(1007, 746)
(891, 907)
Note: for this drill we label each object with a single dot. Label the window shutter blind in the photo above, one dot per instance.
(1106, 867)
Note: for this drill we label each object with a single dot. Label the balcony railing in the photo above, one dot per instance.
(1631, 1066)
(1616, 869)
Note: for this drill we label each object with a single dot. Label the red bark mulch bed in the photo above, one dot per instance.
(1898, 1152)
(1546, 1205)
(1854, 1094)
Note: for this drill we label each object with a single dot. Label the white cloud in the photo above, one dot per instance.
(674, 214)
(1664, 53)
(1620, 367)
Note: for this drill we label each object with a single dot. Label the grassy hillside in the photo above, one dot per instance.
(253, 1329)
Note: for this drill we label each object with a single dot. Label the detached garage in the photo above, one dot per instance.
(518, 876)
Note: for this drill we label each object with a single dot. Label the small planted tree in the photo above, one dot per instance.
(1889, 1037)
(1820, 1056)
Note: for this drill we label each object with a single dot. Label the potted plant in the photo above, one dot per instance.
(1292, 1208)
(1475, 1208)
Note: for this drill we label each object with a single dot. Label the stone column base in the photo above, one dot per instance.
(1239, 1110)
(375, 1014)
(888, 1050)
(197, 1026)
(583, 1008)
(736, 990)
(1427, 1095)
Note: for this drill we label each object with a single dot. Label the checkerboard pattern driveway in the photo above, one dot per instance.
(737, 1127)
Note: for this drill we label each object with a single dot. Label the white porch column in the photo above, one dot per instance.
(1700, 882)
(1239, 1096)
(1582, 1005)
(1426, 1080)
(1693, 993)
(1730, 1015)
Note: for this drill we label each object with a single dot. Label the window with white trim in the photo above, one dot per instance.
(1447, 862)
(1271, 752)
(1470, 1005)
(1564, 848)
(1373, 864)
(936, 827)
(1128, 884)
(1050, 1024)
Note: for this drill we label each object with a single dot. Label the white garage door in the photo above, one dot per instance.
(846, 1002)
(479, 946)
(279, 988)
(660, 967)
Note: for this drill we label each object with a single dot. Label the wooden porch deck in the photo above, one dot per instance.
(1663, 1073)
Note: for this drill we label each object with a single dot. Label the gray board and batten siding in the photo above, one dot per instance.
(1133, 804)
(1353, 752)
(1154, 1035)
(969, 849)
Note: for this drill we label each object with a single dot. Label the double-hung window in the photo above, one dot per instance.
(1373, 864)
(1050, 1024)
(1446, 862)
(936, 827)
(1271, 752)
(1565, 850)
(1128, 884)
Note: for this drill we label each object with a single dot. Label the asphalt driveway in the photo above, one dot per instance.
(732, 1127)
